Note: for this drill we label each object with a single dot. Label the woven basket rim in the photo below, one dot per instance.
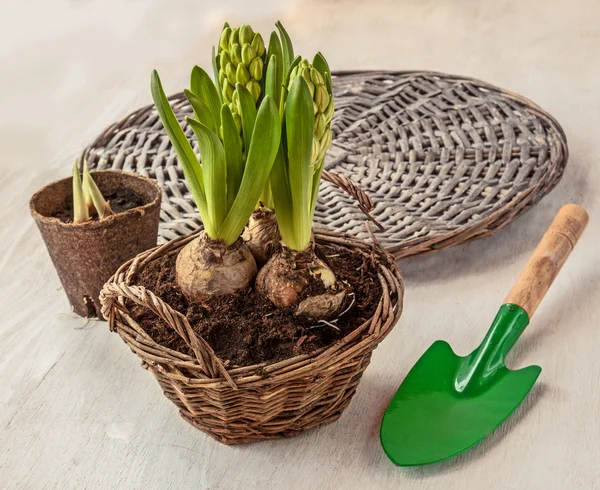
(112, 301)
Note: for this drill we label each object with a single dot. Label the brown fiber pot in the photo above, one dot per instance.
(87, 254)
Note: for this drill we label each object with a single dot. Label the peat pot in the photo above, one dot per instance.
(86, 255)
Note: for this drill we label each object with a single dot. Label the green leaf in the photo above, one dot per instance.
(286, 82)
(87, 197)
(295, 62)
(320, 63)
(102, 207)
(202, 85)
(286, 79)
(215, 66)
(80, 210)
(299, 121)
(275, 50)
(272, 84)
(247, 113)
(314, 192)
(185, 153)
(288, 48)
(266, 197)
(233, 154)
(201, 110)
(282, 197)
(261, 154)
(214, 168)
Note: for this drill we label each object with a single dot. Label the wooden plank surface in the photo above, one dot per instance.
(76, 409)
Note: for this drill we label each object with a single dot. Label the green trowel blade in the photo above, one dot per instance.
(448, 403)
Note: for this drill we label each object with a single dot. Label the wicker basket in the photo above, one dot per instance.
(256, 402)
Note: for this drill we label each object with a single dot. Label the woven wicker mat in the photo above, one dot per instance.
(445, 158)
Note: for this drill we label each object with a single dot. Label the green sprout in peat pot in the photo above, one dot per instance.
(306, 106)
(87, 198)
(226, 186)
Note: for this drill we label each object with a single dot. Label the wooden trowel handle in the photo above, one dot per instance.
(549, 256)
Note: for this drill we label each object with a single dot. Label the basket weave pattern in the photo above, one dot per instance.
(446, 159)
(258, 402)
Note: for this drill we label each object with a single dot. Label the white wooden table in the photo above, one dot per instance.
(76, 409)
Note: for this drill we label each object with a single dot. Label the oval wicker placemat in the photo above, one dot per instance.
(445, 159)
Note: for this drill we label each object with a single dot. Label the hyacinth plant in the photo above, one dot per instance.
(241, 58)
(275, 68)
(227, 184)
(263, 128)
(87, 198)
(304, 92)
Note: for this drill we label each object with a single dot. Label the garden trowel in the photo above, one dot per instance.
(448, 403)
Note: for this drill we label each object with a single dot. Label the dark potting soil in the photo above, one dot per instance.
(246, 328)
(119, 200)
